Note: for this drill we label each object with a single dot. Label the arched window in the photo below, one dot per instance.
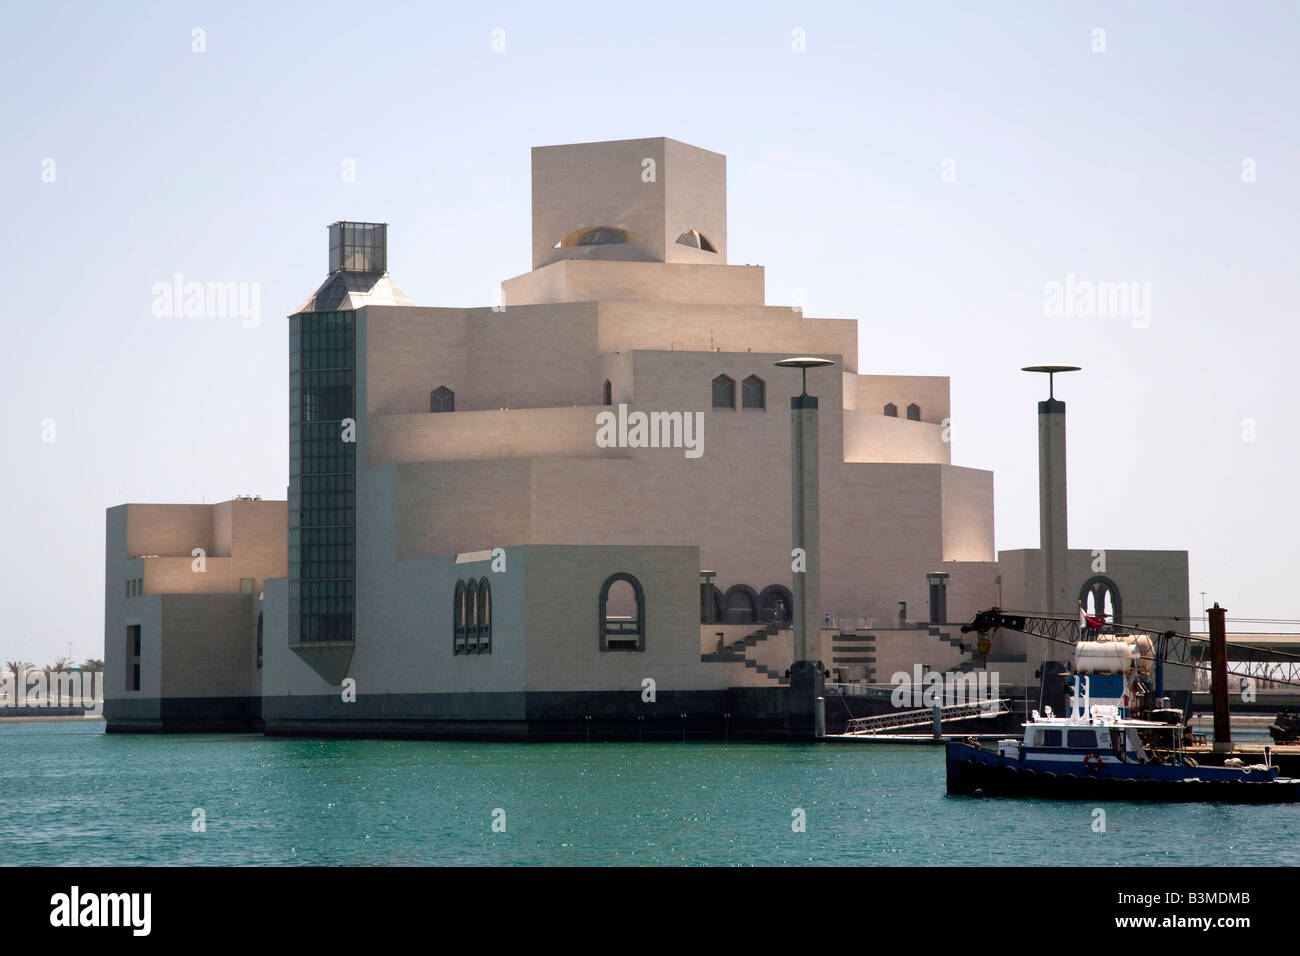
(442, 399)
(597, 236)
(753, 393)
(484, 616)
(724, 392)
(742, 604)
(471, 617)
(776, 605)
(607, 393)
(458, 618)
(622, 614)
(696, 240)
(259, 640)
(1100, 598)
(891, 410)
(913, 412)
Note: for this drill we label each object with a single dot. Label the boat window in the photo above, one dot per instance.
(1082, 738)
(1050, 738)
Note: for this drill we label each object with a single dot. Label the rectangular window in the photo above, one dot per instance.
(1082, 738)
(133, 657)
(1049, 738)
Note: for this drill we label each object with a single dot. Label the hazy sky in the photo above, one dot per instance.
(1123, 166)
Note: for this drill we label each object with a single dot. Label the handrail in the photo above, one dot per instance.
(925, 716)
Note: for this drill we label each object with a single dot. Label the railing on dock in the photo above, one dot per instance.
(859, 689)
(925, 717)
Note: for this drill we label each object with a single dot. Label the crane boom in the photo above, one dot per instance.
(1169, 647)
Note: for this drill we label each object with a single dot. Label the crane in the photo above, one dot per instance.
(1167, 647)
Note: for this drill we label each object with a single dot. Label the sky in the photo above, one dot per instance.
(938, 171)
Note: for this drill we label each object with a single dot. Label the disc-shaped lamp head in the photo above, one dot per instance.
(804, 363)
(1051, 371)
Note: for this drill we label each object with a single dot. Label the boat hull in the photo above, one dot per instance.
(973, 771)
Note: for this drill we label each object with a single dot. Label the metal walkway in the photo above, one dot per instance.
(925, 717)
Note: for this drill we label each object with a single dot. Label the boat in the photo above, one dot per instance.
(1285, 728)
(1100, 751)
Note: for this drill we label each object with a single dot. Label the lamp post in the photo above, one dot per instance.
(1053, 540)
(806, 672)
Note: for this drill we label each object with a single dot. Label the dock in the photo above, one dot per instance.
(878, 729)
(906, 738)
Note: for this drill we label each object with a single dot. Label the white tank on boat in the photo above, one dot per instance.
(1146, 649)
(1105, 657)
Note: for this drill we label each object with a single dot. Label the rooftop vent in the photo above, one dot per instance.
(359, 247)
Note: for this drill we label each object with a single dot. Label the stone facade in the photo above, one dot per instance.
(630, 308)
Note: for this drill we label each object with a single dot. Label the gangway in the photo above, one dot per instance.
(924, 718)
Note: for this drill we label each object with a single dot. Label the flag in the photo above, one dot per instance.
(1087, 621)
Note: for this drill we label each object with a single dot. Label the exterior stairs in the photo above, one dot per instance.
(966, 665)
(737, 652)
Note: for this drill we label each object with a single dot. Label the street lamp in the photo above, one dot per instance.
(806, 673)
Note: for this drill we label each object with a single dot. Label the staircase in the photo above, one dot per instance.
(966, 665)
(737, 652)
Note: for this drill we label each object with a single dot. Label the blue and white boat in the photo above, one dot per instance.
(1100, 752)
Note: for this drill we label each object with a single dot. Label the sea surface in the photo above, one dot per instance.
(71, 795)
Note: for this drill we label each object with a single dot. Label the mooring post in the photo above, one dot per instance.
(1219, 678)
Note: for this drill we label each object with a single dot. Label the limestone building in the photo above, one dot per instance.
(474, 553)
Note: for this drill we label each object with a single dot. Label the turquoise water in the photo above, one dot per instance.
(69, 794)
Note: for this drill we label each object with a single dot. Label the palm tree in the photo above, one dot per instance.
(92, 664)
(19, 669)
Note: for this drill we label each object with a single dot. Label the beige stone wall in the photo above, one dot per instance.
(524, 357)
(590, 280)
(695, 197)
(223, 527)
(207, 645)
(929, 392)
(967, 507)
(199, 630)
(121, 611)
(582, 185)
(611, 184)
(702, 328)
(900, 650)
(884, 527)
(169, 529)
(412, 351)
(563, 611)
(517, 433)
(448, 507)
(972, 587)
(618, 368)
(870, 436)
